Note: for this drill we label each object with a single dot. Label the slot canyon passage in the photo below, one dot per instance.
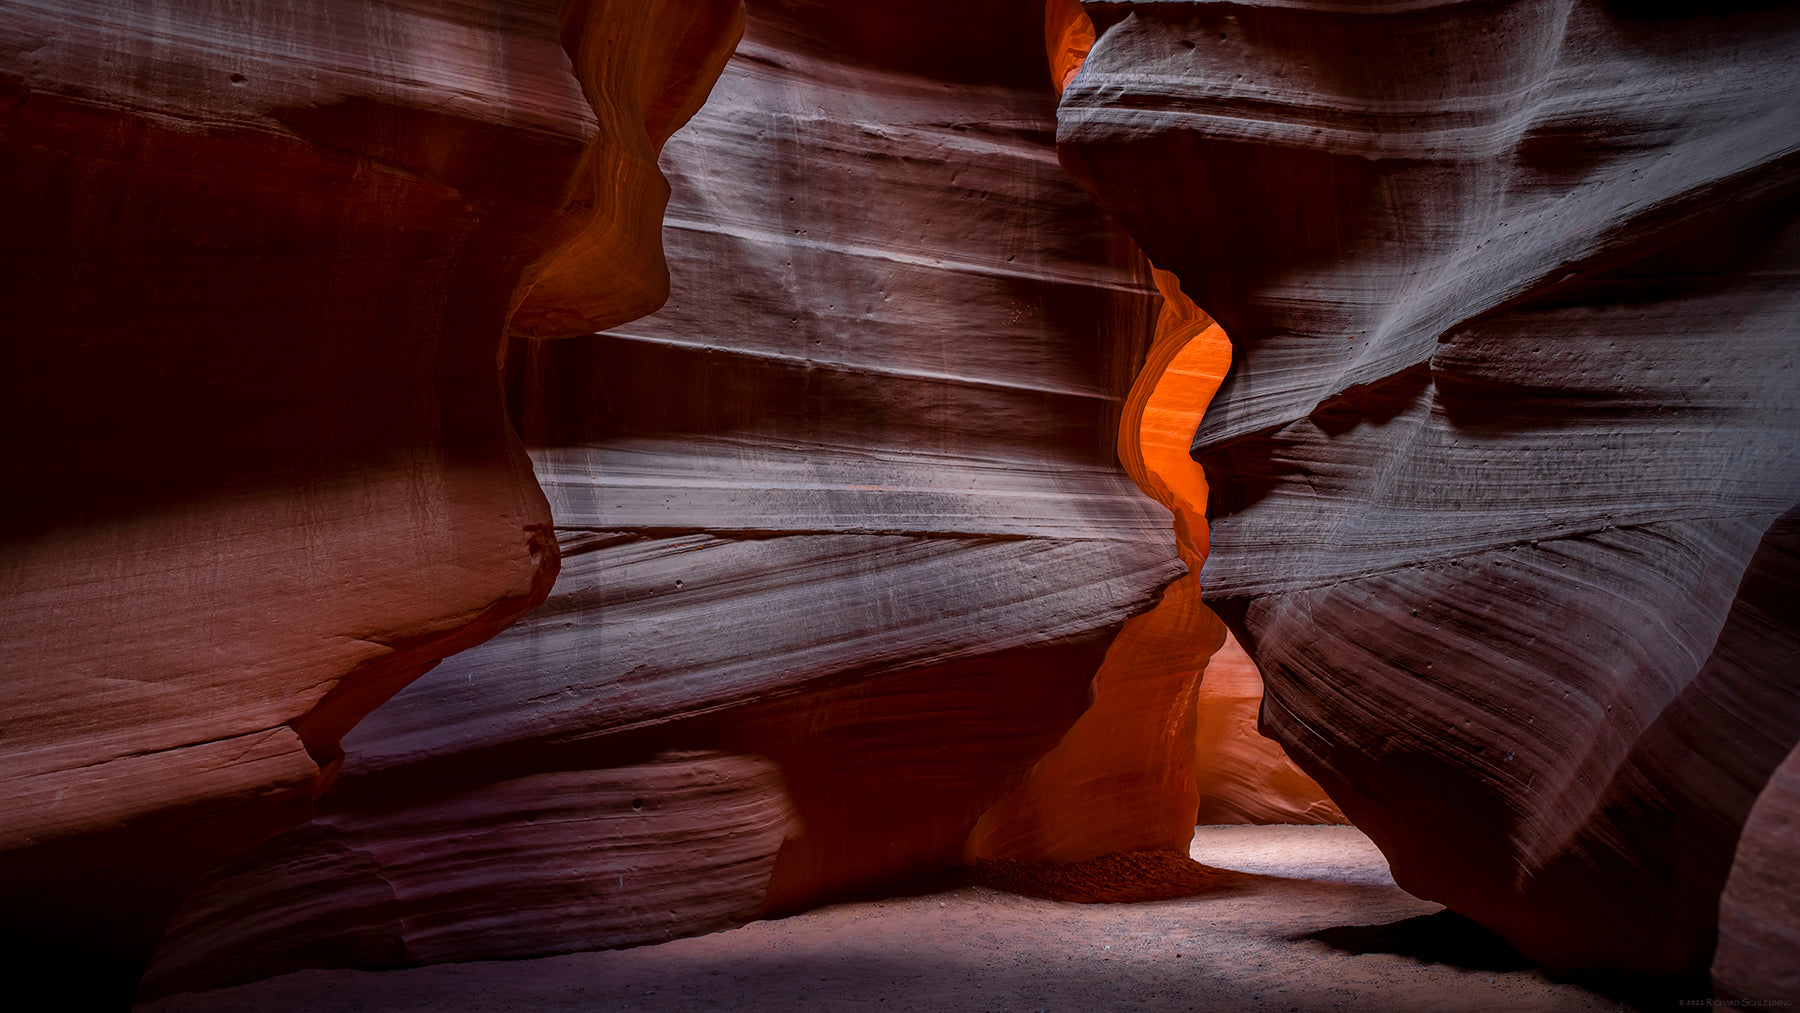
(663, 504)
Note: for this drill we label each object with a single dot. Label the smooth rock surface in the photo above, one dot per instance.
(1759, 911)
(1758, 954)
(257, 275)
(1243, 776)
(851, 502)
(1510, 290)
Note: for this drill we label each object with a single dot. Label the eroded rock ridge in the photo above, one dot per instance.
(1512, 411)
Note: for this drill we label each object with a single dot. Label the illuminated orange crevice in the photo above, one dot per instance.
(1068, 35)
(1124, 777)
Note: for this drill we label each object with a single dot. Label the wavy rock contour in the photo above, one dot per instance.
(850, 504)
(1513, 402)
(1163, 746)
(259, 267)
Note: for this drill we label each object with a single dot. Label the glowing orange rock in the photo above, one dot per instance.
(612, 270)
(1124, 778)
(849, 503)
(1068, 35)
(1498, 478)
(1244, 776)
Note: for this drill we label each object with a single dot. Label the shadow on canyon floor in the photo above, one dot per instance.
(1448, 938)
(1441, 938)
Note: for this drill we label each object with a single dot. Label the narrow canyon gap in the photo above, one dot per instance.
(1496, 473)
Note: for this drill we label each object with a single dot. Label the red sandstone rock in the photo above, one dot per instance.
(1133, 774)
(850, 502)
(545, 863)
(1243, 776)
(882, 546)
(645, 67)
(1759, 911)
(260, 263)
(1512, 402)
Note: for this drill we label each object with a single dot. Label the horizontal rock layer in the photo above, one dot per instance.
(1510, 290)
(1161, 747)
(590, 859)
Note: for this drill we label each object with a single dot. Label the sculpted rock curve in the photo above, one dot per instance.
(1512, 406)
(849, 505)
(259, 271)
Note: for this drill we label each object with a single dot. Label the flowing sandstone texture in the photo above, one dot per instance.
(864, 572)
(1122, 778)
(845, 519)
(258, 267)
(1510, 290)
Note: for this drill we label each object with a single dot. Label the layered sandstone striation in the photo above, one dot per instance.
(257, 273)
(1759, 911)
(1121, 779)
(1512, 407)
(849, 507)
(552, 862)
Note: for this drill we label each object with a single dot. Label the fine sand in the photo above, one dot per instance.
(1316, 924)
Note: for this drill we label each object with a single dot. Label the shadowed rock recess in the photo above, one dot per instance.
(257, 271)
(1511, 289)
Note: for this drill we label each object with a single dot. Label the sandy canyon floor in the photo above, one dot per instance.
(1311, 921)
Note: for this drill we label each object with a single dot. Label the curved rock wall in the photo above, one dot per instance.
(1122, 778)
(1758, 954)
(855, 587)
(849, 506)
(1162, 746)
(1242, 775)
(259, 267)
(1512, 403)
(1759, 911)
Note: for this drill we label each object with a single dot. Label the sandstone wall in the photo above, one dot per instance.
(258, 268)
(849, 510)
(1512, 406)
